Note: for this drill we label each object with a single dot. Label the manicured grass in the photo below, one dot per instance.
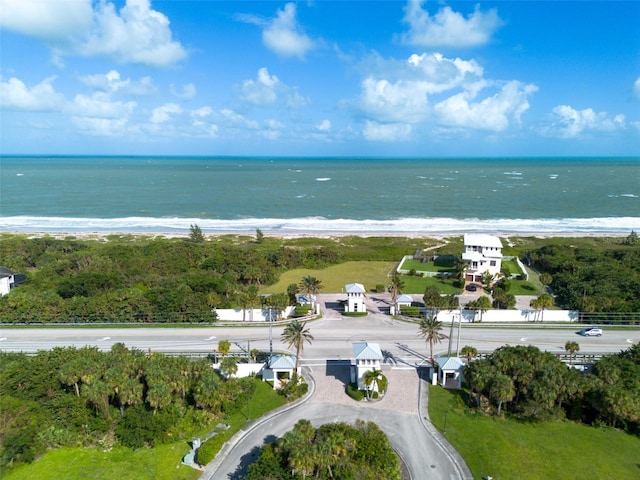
(160, 463)
(416, 284)
(419, 266)
(334, 278)
(506, 448)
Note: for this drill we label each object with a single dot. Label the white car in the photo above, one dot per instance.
(591, 332)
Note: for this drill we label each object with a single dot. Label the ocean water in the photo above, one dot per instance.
(320, 195)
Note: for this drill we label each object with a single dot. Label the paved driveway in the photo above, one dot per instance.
(401, 414)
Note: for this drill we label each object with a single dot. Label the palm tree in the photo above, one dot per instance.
(294, 335)
(371, 380)
(311, 286)
(571, 347)
(396, 289)
(229, 366)
(541, 303)
(545, 280)
(502, 389)
(430, 330)
(469, 352)
(223, 347)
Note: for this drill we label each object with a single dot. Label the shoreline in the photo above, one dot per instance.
(97, 235)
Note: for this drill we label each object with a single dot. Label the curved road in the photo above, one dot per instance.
(401, 415)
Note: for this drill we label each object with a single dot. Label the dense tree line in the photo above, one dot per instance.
(592, 279)
(532, 384)
(85, 397)
(157, 279)
(335, 450)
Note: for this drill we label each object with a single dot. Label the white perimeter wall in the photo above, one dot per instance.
(510, 316)
(250, 315)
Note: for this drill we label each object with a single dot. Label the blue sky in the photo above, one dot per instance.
(352, 78)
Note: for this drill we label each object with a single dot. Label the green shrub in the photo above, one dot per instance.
(302, 310)
(380, 288)
(410, 311)
(354, 314)
(353, 392)
(207, 452)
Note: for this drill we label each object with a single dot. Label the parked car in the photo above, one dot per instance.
(472, 287)
(591, 332)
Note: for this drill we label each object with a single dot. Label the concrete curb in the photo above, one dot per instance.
(464, 473)
(212, 467)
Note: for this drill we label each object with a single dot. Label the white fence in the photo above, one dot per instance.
(509, 316)
(251, 314)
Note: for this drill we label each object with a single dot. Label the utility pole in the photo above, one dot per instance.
(459, 329)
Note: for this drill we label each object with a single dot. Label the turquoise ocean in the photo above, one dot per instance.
(320, 196)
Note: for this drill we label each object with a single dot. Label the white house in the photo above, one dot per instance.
(355, 298)
(450, 371)
(482, 253)
(368, 357)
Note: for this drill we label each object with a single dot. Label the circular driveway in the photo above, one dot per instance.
(401, 414)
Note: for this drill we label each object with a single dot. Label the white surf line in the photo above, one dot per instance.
(3, 339)
(523, 339)
(212, 337)
(629, 340)
(103, 339)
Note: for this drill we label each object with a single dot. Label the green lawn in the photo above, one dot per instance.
(334, 278)
(161, 463)
(510, 449)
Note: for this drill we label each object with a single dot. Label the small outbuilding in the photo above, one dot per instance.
(9, 279)
(279, 368)
(449, 372)
(368, 357)
(355, 298)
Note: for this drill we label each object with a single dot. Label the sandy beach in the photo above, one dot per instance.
(94, 235)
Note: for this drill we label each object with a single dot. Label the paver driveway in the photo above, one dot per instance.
(401, 414)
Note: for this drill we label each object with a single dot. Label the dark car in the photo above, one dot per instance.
(472, 287)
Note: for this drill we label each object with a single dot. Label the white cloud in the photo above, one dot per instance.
(493, 113)
(635, 91)
(444, 91)
(267, 89)
(284, 36)
(164, 113)
(188, 91)
(111, 82)
(403, 95)
(202, 112)
(448, 28)
(99, 105)
(388, 132)
(15, 95)
(100, 127)
(262, 90)
(237, 120)
(134, 34)
(46, 19)
(324, 126)
(570, 123)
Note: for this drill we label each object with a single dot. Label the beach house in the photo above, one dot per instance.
(355, 298)
(482, 253)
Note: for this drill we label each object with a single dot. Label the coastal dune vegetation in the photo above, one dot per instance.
(143, 279)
